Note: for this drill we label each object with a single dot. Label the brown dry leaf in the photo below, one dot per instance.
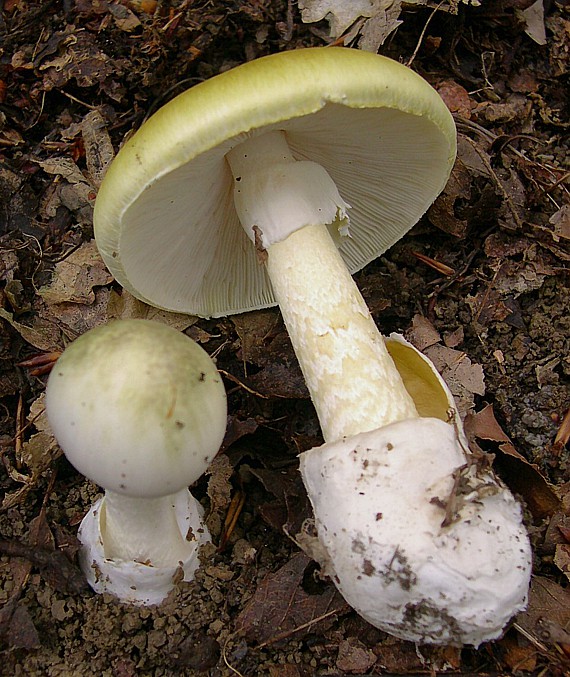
(44, 335)
(548, 614)
(20, 570)
(22, 633)
(75, 277)
(521, 476)
(125, 19)
(77, 318)
(372, 20)
(562, 558)
(291, 506)
(558, 525)
(403, 658)
(496, 301)
(280, 380)
(219, 492)
(35, 455)
(468, 166)
(533, 17)
(280, 607)
(561, 222)
(518, 657)
(124, 306)
(256, 330)
(80, 59)
(464, 379)
(266, 344)
(98, 147)
(236, 429)
(456, 98)
(41, 449)
(70, 189)
(18, 204)
(422, 334)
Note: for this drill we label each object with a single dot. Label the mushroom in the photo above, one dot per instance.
(235, 196)
(417, 533)
(139, 409)
(274, 150)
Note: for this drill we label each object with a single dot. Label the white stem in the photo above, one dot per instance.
(144, 530)
(352, 379)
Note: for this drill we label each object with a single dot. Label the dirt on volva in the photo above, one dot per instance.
(479, 284)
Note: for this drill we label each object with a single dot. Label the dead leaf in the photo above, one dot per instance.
(518, 656)
(79, 58)
(562, 558)
(372, 20)
(422, 333)
(98, 147)
(266, 344)
(75, 277)
(124, 306)
(561, 222)
(280, 607)
(522, 477)
(280, 380)
(468, 166)
(125, 19)
(464, 378)
(291, 506)
(533, 16)
(35, 455)
(548, 612)
(456, 98)
(219, 492)
(44, 335)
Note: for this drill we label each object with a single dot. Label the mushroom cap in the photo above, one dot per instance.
(414, 553)
(165, 221)
(137, 407)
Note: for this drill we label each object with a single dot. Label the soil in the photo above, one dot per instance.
(480, 282)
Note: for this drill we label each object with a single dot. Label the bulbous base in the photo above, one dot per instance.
(419, 540)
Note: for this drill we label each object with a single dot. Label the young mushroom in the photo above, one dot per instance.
(139, 409)
(236, 195)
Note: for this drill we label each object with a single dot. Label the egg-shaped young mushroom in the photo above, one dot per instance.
(139, 409)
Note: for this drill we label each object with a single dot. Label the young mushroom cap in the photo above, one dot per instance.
(165, 218)
(140, 409)
(137, 407)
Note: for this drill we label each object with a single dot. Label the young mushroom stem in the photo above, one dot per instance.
(145, 529)
(341, 352)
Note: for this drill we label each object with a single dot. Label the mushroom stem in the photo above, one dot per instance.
(354, 383)
(352, 379)
(145, 530)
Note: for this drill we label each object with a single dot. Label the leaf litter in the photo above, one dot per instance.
(478, 285)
